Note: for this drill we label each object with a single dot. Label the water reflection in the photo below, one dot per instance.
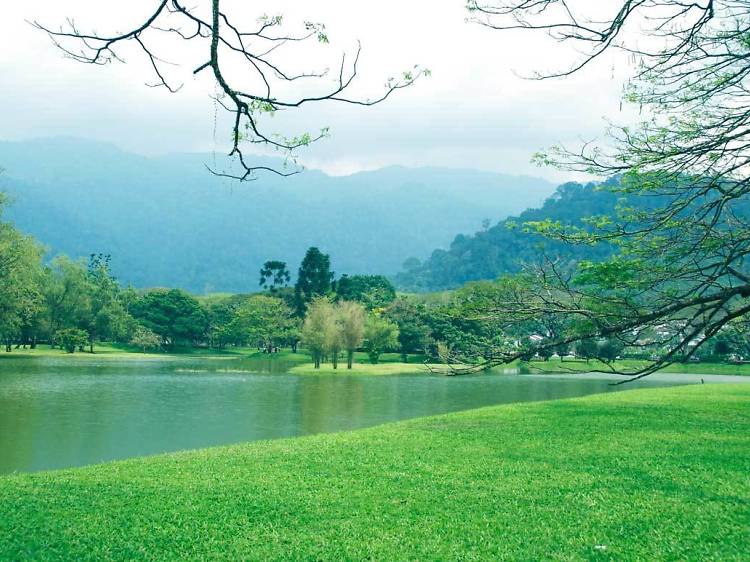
(57, 413)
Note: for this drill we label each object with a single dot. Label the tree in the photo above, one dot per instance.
(414, 335)
(352, 321)
(174, 315)
(681, 256)
(373, 291)
(71, 339)
(380, 335)
(262, 320)
(276, 273)
(320, 316)
(20, 275)
(106, 317)
(734, 338)
(333, 337)
(67, 294)
(250, 92)
(145, 339)
(587, 348)
(314, 279)
(610, 349)
(220, 313)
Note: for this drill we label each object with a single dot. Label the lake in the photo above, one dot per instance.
(60, 412)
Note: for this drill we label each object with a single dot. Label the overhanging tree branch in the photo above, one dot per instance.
(256, 46)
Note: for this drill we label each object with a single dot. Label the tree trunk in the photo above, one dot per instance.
(335, 359)
(91, 347)
(349, 358)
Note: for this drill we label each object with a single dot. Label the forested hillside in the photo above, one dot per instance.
(504, 247)
(167, 222)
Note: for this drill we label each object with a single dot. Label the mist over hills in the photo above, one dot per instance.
(167, 222)
(505, 247)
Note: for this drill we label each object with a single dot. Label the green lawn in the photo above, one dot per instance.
(580, 366)
(392, 368)
(658, 474)
(300, 363)
(388, 364)
(123, 351)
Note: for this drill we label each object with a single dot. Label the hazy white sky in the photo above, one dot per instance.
(474, 111)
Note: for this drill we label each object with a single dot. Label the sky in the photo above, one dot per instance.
(476, 110)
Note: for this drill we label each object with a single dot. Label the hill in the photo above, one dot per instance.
(167, 222)
(505, 247)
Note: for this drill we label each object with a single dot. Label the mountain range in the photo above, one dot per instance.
(166, 221)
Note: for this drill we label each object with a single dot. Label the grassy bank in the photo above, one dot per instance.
(638, 475)
(395, 368)
(124, 352)
(299, 363)
(388, 364)
(580, 366)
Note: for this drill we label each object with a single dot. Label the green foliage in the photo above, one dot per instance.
(505, 247)
(21, 298)
(373, 291)
(414, 334)
(314, 278)
(317, 328)
(351, 321)
(656, 474)
(176, 316)
(107, 318)
(145, 339)
(261, 320)
(274, 275)
(587, 348)
(67, 293)
(71, 339)
(380, 335)
(610, 349)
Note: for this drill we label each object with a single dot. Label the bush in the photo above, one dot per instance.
(71, 338)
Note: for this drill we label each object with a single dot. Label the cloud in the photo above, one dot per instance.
(475, 111)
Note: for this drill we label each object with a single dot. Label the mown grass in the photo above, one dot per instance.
(121, 351)
(658, 474)
(299, 363)
(360, 369)
(581, 366)
(388, 364)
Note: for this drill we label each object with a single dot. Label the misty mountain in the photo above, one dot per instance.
(505, 247)
(167, 221)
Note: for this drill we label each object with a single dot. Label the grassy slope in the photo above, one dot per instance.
(638, 475)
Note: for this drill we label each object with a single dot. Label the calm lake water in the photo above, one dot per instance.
(63, 412)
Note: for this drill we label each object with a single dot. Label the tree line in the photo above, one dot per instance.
(74, 304)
